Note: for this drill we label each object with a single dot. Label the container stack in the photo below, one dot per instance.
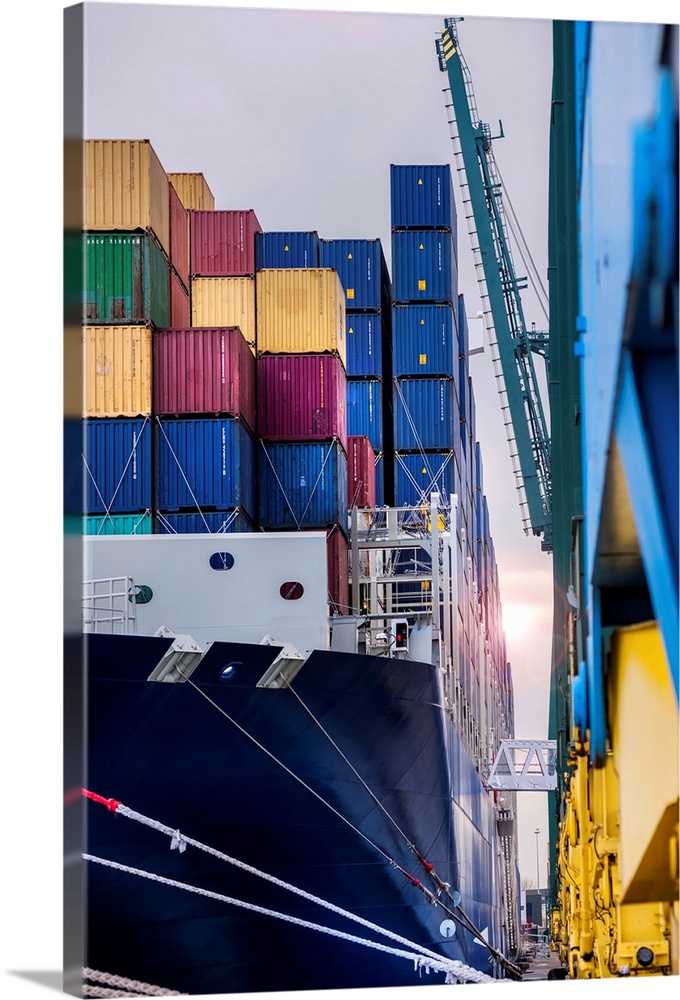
(287, 249)
(301, 410)
(132, 253)
(362, 269)
(424, 332)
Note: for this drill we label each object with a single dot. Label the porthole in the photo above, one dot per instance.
(221, 560)
(141, 594)
(291, 590)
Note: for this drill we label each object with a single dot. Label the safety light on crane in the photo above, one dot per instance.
(400, 626)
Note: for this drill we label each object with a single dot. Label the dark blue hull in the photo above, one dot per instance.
(167, 752)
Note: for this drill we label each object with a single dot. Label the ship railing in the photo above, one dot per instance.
(109, 606)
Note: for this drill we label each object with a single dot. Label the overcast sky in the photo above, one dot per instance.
(298, 116)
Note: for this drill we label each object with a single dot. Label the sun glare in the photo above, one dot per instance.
(518, 620)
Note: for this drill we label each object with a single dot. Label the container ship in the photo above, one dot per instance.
(296, 677)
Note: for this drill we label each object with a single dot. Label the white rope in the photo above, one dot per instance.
(123, 984)
(454, 970)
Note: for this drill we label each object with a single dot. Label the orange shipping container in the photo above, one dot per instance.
(300, 311)
(224, 302)
(117, 369)
(126, 188)
(193, 191)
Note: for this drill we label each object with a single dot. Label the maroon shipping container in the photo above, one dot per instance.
(180, 307)
(223, 243)
(302, 397)
(179, 237)
(360, 472)
(337, 551)
(204, 370)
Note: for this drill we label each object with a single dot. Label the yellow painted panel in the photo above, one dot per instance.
(193, 191)
(300, 311)
(644, 733)
(224, 302)
(117, 371)
(126, 188)
(73, 372)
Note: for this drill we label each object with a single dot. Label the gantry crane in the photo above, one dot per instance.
(512, 346)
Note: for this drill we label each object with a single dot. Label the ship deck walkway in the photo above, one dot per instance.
(542, 963)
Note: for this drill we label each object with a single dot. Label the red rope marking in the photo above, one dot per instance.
(412, 880)
(111, 804)
(426, 864)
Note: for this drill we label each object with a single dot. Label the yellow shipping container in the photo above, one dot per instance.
(224, 302)
(300, 311)
(117, 366)
(73, 372)
(126, 188)
(193, 191)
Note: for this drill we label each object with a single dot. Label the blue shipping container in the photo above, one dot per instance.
(362, 269)
(118, 470)
(379, 480)
(463, 330)
(424, 413)
(364, 341)
(73, 446)
(210, 522)
(365, 410)
(303, 485)
(204, 463)
(424, 340)
(423, 266)
(286, 249)
(416, 476)
(422, 197)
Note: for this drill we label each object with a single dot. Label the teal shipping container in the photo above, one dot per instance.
(126, 279)
(119, 524)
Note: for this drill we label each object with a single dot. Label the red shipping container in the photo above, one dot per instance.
(180, 308)
(360, 472)
(337, 551)
(302, 397)
(223, 243)
(204, 370)
(179, 237)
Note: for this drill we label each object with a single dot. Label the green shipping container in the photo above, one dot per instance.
(126, 279)
(119, 524)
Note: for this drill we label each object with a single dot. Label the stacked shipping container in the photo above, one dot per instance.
(425, 335)
(362, 269)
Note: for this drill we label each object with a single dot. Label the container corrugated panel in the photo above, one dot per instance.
(302, 485)
(365, 334)
(416, 476)
(223, 243)
(421, 197)
(199, 370)
(361, 268)
(301, 397)
(423, 266)
(424, 340)
(126, 188)
(204, 462)
(224, 302)
(287, 249)
(119, 524)
(193, 190)
(424, 414)
(365, 410)
(179, 236)
(300, 311)
(463, 329)
(220, 522)
(118, 473)
(337, 555)
(379, 480)
(361, 472)
(117, 371)
(126, 279)
(180, 310)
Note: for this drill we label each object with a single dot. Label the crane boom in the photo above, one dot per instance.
(511, 344)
